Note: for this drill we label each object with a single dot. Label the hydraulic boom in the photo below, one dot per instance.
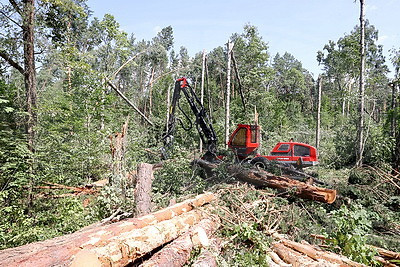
(202, 121)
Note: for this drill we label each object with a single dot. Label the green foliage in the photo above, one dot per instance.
(17, 227)
(248, 246)
(176, 178)
(110, 199)
(347, 236)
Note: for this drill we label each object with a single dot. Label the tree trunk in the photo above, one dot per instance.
(178, 251)
(202, 90)
(394, 128)
(144, 181)
(263, 178)
(318, 130)
(151, 92)
(227, 94)
(360, 138)
(29, 70)
(107, 240)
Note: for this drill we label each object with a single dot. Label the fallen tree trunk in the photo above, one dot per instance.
(178, 251)
(263, 178)
(61, 250)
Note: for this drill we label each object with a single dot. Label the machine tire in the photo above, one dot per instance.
(260, 162)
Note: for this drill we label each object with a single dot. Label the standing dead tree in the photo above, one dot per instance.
(118, 148)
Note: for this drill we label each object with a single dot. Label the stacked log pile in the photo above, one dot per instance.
(121, 243)
(163, 238)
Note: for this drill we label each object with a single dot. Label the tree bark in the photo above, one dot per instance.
(263, 178)
(360, 138)
(144, 182)
(178, 251)
(62, 250)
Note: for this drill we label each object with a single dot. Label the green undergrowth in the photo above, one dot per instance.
(358, 218)
(366, 211)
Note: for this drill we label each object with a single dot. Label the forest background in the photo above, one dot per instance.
(57, 109)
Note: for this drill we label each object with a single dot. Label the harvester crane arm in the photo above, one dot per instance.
(203, 124)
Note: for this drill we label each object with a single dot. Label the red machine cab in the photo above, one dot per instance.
(245, 140)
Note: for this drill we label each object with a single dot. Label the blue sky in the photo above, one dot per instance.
(300, 27)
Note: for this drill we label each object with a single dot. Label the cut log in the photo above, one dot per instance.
(208, 256)
(266, 179)
(178, 251)
(205, 259)
(386, 254)
(277, 260)
(61, 250)
(144, 180)
(127, 247)
(293, 257)
(318, 254)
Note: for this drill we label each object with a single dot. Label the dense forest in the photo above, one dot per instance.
(61, 68)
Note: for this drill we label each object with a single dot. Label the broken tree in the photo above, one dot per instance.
(260, 177)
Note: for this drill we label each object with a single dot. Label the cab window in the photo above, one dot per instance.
(301, 151)
(282, 150)
(240, 137)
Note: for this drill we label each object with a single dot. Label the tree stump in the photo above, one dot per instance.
(144, 180)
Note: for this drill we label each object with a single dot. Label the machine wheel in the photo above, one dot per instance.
(260, 162)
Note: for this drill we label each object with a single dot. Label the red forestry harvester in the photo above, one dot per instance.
(244, 141)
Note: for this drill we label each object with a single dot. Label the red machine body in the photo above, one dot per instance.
(245, 141)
